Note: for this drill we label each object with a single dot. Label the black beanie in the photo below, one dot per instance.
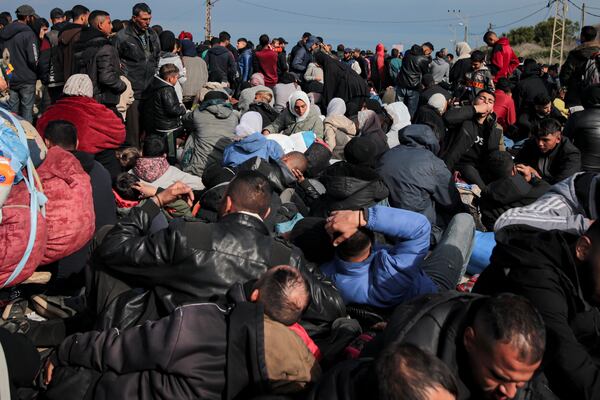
(361, 151)
(215, 95)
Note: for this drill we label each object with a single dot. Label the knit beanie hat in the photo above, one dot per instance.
(79, 85)
(361, 151)
(438, 101)
(216, 95)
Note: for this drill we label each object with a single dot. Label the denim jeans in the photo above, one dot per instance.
(448, 261)
(21, 101)
(410, 98)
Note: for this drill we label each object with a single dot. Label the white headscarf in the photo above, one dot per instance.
(294, 97)
(463, 50)
(438, 101)
(336, 106)
(250, 123)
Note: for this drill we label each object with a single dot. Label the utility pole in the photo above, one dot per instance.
(558, 31)
(490, 27)
(464, 22)
(207, 24)
(582, 15)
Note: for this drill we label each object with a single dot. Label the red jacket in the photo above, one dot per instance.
(98, 128)
(267, 62)
(503, 60)
(504, 108)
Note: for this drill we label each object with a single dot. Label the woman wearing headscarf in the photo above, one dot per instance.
(99, 130)
(342, 82)
(298, 117)
(250, 142)
(462, 64)
(378, 69)
(168, 55)
(369, 125)
(338, 128)
(287, 85)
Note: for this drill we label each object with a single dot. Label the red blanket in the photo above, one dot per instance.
(98, 128)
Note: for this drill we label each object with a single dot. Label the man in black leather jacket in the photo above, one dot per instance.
(414, 65)
(192, 260)
(97, 58)
(161, 109)
(583, 128)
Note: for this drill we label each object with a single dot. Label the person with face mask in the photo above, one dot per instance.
(21, 42)
(300, 116)
(558, 271)
(547, 154)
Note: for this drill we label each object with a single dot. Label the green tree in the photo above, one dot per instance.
(543, 31)
(523, 34)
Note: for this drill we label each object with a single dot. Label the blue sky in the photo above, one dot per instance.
(350, 22)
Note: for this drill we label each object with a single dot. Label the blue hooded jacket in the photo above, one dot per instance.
(254, 145)
(390, 275)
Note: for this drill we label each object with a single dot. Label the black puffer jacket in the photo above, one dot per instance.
(414, 65)
(584, 129)
(268, 113)
(571, 72)
(97, 58)
(194, 261)
(161, 109)
(541, 266)
(349, 187)
(137, 65)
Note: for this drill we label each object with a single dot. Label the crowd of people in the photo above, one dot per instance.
(187, 219)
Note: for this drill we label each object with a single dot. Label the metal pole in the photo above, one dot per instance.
(582, 16)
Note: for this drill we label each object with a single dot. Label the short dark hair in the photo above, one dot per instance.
(545, 127)
(167, 70)
(69, 15)
(478, 56)
(450, 56)
(123, 186)
(306, 35)
(298, 160)
(214, 41)
(355, 244)
(513, 319)
(140, 7)
(79, 10)
(154, 146)
(158, 30)
(276, 287)
(96, 14)
(6, 15)
(428, 44)
(62, 133)
(588, 33)
(487, 35)
(541, 99)
(224, 36)
(250, 191)
(263, 40)
(56, 13)
(500, 165)
(117, 25)
(487, 91)
(3, 20)
(395, 52)
(167, 40)
(405, 372)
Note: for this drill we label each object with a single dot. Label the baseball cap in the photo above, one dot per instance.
(347, 50)
(25, 10)
(282, 40)
(56, 13)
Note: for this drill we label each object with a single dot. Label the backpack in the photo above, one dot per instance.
(591, 71)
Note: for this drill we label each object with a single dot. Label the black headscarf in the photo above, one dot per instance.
(340, 81)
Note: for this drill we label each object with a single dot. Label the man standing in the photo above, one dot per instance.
(414, 66)
(21, 42)
(303, 56)
(266, 61)
(350, 61)
(282, 65)
(100, 60)
(69, 35)
(572, 71)
(138, 49)
(439, 68)
(222, 66)
(503, 60)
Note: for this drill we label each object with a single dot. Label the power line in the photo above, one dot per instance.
(336, 19)
(517, 21)
(585, 11)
